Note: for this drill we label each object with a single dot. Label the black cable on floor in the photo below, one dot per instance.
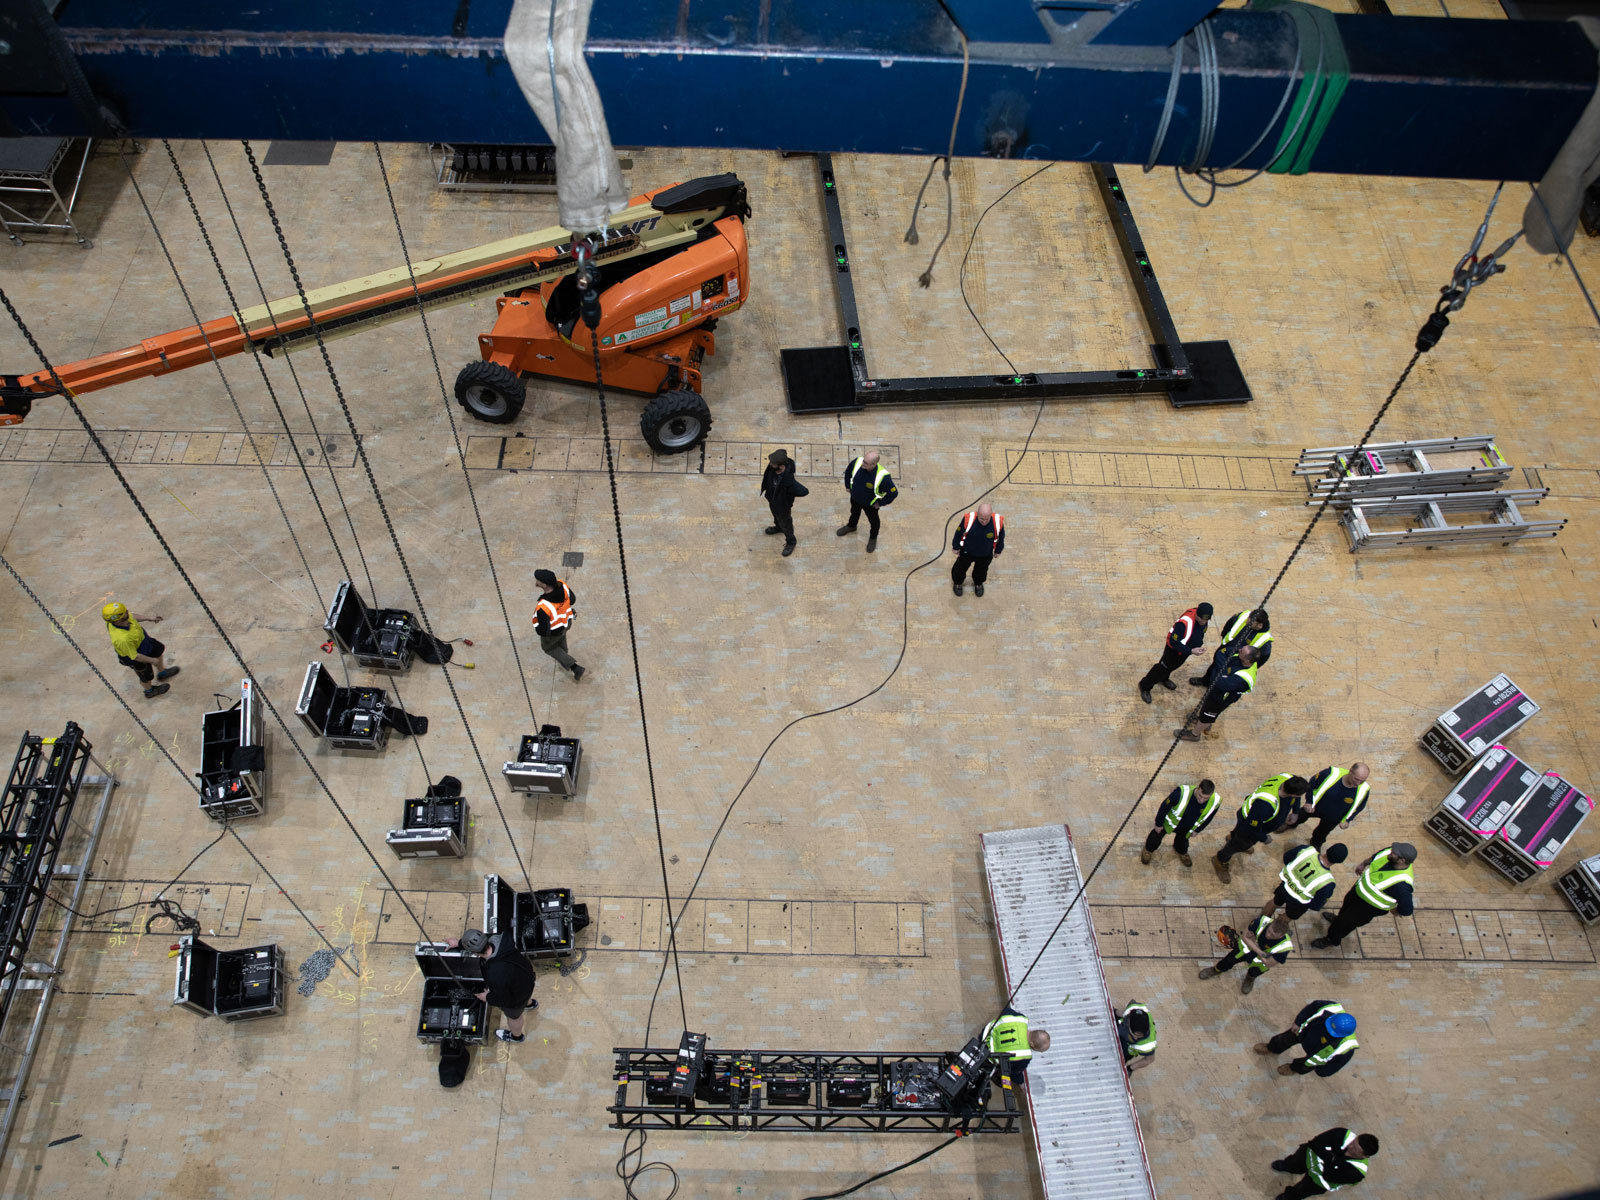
(205, 607)
(377, 494)
(910, 1162)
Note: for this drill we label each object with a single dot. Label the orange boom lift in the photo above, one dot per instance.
(669, 266)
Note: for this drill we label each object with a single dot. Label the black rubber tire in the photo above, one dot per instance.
(490, 392)
(675, 421)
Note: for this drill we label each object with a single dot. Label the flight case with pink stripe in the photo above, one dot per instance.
(1478, 806)
(1535, 833)
(1491, 714)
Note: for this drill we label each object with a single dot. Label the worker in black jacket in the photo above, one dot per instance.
(1238, 678)
(1333, 1159)
(980, 538)
(871, 487)
(1262, 812)
(1253, 629)
(1324, 1031)
(1184, 640)
(507, 976)
(1337, 796)
(1185, 812)
(782, 489)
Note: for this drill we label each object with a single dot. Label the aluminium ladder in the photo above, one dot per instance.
(1085, 1127)
(1504, 524)
(1453, 464)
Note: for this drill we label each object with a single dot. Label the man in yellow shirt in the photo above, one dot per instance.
(137, 649)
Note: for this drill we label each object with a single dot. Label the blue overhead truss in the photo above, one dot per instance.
(1073, 79)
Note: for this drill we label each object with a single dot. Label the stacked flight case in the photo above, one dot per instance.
(435, 826)
(233, 765)
(547, 763)
(451, 1010)
(1487, 716)
(1581, 886)
(236, 985)
(544, 923)
(1479, 804)
(1531, 837)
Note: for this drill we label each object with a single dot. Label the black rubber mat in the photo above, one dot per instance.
(298, 154)
(818, 380)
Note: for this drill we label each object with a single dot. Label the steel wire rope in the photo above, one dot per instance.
(206, 338)
(1566, 253)
(926, 278)
(455, 433)
(316, 433)
(205, 607)
(227, 387)
(377, 493)
(227, 826)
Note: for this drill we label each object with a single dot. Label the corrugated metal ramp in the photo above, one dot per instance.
(1085, 1127)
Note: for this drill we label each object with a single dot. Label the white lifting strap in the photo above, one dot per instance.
(1574, 167)
(544, 44)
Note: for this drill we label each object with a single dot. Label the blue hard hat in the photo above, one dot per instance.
(1341, 1025)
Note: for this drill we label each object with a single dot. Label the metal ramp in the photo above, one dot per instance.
(1085, 1127)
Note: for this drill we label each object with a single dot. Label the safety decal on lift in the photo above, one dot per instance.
(733, 286)
(681, 303)
(643, 319)
(630, 335)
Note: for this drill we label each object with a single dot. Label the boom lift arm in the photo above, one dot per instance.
(507, 265)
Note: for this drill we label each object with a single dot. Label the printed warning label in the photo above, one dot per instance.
(646, 330)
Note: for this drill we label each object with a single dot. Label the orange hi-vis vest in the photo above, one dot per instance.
(559, 611)
(972, 519)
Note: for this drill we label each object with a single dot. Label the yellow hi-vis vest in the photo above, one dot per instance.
(1333, 1049)
(1374, 884)
(877, 480)
(1147, 1045)
(1335, 774)
(1238, 625)
(1314, 1165)
(1304, 875)
(1185, 793)
(1009, 1035)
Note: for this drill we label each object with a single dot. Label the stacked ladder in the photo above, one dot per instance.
(1085, 1126)
(1456, 464)
(1500, 514)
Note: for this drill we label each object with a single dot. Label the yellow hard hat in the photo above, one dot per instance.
(115, 611)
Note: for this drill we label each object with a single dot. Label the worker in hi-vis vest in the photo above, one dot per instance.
(1009, 1039)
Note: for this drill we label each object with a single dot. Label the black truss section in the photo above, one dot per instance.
(34, 812)
(837, 379)
(747, 1107)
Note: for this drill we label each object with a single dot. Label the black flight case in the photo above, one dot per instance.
(1487, 716)
(236, 985)
(1537, 831)
(544, 923)
(1480, 803)
(547, 763)
(233, 762)
(349, 718)
(451, 1010)
(435, 826)
(1581, 886)
(381, 639)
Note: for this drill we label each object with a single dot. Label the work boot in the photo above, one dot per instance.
(1186, 860)
(978, 588)
(1197, 681)
(168, 673)
(1169, 685)
(1322, 944)
(1224, 872)
(788, 549)
(1144, 857)
(1286, 1166)
(1248, 986)
(159, 689)
(844, 529)
(577, 672)
(956, 587)
(872, 544)
(1250, 849)
(1208, 972)
(1144, 694)
(1263, 1048)
(1286, 1069)
(1186, 735)
(771, 529)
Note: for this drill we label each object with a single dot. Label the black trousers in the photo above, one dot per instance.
(1355, 913)
(784, 520)
(143, 670)
(1171, 659)
(1180, 840)
(1325, 827)
(1240, 838)
(980, 568)
(1278, 1044)
(1213, 705)
(1306, 1187)
(1233, 958)
(872, 517)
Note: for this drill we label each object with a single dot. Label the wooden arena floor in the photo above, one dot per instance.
(844, 904)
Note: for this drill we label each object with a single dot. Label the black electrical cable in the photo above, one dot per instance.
(167, 754)
(910, 1162)
(629, 1178)
(455, 433)
(205, 607)
(377, 494)
(316, 434)
(161, 241)
(905, 599)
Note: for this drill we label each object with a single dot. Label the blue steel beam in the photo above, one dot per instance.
(1427, 97)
